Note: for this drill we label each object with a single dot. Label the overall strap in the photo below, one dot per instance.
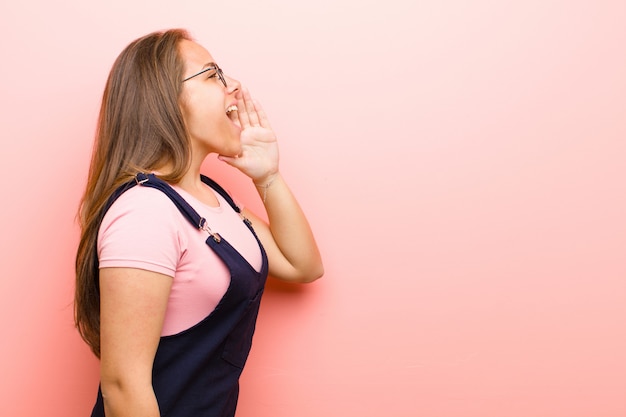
(116, 194)
(218, 188)
(151, 180)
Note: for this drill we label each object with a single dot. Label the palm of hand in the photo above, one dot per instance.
(259, 155)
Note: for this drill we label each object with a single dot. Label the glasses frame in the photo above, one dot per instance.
(218, 72)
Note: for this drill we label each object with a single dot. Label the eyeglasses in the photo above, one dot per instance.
(218, 72)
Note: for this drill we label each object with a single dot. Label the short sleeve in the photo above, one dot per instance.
(142, 229)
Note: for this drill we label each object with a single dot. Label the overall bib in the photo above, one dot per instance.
(196, 372)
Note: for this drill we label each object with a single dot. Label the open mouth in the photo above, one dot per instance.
(231, 112)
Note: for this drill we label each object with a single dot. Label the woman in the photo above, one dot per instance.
(169, 274)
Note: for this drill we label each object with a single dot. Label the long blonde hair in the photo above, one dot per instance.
(140, 128)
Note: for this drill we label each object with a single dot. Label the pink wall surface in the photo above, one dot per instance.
(462, 163)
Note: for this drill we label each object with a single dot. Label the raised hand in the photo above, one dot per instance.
(287, 238)
(259, 156)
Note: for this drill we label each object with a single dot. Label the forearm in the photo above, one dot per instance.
(125, 400)
(288, 240)
(290, 229)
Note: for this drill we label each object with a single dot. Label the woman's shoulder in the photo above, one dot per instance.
(142, 205)
(143, 229)
(142, 198)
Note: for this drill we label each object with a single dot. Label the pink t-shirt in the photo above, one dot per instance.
(144, 229)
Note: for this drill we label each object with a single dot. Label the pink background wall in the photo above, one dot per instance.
(462, 163)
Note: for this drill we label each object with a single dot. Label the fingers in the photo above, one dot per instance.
(263, 120)
(246, 112)
(250, 111)
(242, 113)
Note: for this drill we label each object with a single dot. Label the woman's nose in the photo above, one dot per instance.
(233, 85)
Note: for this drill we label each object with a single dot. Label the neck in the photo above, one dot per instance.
(191, 183)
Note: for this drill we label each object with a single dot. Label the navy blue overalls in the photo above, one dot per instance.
(196, 372)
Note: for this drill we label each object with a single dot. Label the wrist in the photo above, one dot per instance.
(265, 182)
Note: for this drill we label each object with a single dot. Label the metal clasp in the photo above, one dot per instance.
(245, 219)
(140, 178)
(204, 226)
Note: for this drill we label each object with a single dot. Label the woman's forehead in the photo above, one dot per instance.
(194, 55)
